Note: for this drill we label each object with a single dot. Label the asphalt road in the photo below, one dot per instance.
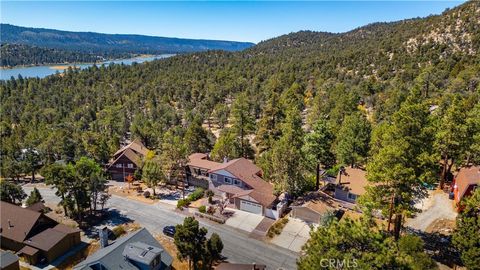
(238, 247)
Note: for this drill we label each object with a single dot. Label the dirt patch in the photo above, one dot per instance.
(170, 247)
(80, 256)
(130, 194)
(442, 226)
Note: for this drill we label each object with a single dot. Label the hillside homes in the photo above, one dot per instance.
(126, 160)
(239, 181)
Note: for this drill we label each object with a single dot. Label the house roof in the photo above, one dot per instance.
(238, 266)
(201, 160)
(232, 189)
(7, 258)
(354, 180)
(135, 146)
(466, 177)
(317, 202)
(17, 222)
(37, 207)
(131, 155)
(111, 257)
(46, 239)
(28, 250)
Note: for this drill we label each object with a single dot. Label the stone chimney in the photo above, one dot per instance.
(103, 235)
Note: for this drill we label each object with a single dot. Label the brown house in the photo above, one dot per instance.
(465, 182)
(33, 235)
(126, 160)
(350, 185)
(313, 206)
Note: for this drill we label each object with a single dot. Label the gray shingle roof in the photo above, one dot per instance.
(7, 258)
(111, 257)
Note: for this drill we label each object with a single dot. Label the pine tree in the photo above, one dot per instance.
(190, 241)
(34, 197)
(152, 174)
(243, 122)
(353, 140)
(10, 192)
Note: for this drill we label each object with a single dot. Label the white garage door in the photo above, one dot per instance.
(250, 207)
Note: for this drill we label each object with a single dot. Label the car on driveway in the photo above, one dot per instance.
(169, 231)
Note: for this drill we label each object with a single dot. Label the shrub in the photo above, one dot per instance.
(146, 194)
(182, 203)
(202, 209)
(197, 194)
(277, 227)
(209, 193)
(118, 231)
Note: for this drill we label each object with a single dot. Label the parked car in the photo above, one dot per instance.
(169, 231)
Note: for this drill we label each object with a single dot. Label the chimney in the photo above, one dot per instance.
(103, 235)
(9, 224)
(254, 266)
(225, 159)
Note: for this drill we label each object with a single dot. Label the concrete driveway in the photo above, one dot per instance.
(294, 235)
(243, 220)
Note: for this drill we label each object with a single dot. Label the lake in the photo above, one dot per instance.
(43, 71)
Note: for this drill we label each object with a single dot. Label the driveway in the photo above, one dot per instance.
(243, 220)
(434, 208)
(294, 235)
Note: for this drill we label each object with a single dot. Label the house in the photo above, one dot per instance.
(126, 160)
(8, 261)
(33, 235)
(137, 250)
(465, 182)
(350, 184)
(239, 181)
(313, 206)
(238, 266)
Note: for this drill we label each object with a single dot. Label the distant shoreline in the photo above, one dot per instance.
(66, 65)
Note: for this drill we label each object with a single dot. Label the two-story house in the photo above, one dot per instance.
(465, 182)
(239, 180)
(126, 160)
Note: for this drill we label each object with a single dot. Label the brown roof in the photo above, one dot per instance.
(466, 177)
(201, 160)
(37, 207)
(27, 250)
(316, 201)
(238, 266)
(248, 172)
(46, 239)
(232, 189)
(65, 229)
(131, 155)
(135, 146)
(17, 222)
(354, 180)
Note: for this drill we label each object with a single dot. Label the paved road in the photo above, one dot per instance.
(238, 247)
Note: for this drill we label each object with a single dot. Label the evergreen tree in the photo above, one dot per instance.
(403, 161)
(190, 241)
(34, 197)
(227, 146)
(317, 148)
(269, 125)
(197, 138)
(467, 234)
(287, 158)
(243, 122)
(353, 140)
(152, 174)
(10, 192)
(214, 247)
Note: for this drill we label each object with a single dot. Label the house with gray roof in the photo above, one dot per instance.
(137, 250)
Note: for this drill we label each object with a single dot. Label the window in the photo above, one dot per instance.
(130, 165)
(118, 165)
(228, 180)
(352, 196)
(203, 172)
(213, 177)
(237, 182)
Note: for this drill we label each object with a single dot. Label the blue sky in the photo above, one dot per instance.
(243, 21)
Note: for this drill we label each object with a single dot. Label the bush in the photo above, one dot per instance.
(277, 227)
(146, 194)
(182, 203)
(211, 210)
(209, 193)
(197, 194)
(118, 231)
(202, 209)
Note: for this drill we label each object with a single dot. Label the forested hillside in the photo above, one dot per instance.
(17, 54)
(99, 44)
(269, 96)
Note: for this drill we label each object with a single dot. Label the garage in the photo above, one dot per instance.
(251, 207)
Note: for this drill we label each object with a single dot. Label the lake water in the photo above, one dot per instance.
(43, 71)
